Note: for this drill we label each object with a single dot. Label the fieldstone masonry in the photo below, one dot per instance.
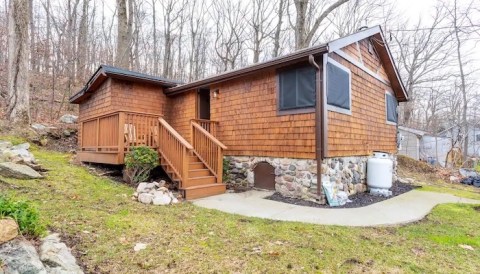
(297, 178)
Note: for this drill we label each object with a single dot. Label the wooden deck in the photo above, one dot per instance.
(196, 167)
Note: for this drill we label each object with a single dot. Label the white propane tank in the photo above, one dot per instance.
(379, 172)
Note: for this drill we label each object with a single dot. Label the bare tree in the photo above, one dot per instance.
(278, 27)
(306, 25)
(229, 33)
(421, 52)
(123, 35)
(261, 24)
(18, 100)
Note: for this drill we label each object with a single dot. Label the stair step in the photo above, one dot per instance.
(193, 159)
(192, 173)
(196, 165)
(195, 192)
(197, 181)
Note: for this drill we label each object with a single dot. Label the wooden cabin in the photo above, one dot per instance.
(281, 123)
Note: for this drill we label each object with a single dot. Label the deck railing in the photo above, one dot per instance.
(116, 132)
(175, 150)
(208, 149)
(208, 125)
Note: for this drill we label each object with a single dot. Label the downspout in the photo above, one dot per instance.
(319, 148)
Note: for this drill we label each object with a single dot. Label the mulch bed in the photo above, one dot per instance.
(358, 200)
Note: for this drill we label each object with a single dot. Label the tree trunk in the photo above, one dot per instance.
(123, 42)
(82, 41)
(278, 29)
(303, 36)
(18, 100)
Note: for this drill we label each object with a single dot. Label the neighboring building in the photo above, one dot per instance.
(410, 142)
(281, 123)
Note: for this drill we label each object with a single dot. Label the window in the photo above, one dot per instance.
(391, 106)
(338, 88)
(477, 138)
(297, 88)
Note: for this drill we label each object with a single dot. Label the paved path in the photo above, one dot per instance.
(409, 207)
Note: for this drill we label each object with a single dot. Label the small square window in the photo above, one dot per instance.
(338, 87)
(297, 88)
(391, 108)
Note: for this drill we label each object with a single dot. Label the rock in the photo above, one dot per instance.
(161, 198)
(151, 185)
(141, 187)
(163, 189)
(57, 256)
(20, 257)
(145, 198)
(24, 146)
(8, 230)
(18, 171)
(39, 128)
(4, 145)
(68, 119)
(467, 247)
(139, 246)
(66, 133)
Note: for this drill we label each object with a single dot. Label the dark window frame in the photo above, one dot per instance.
(296, 110)
(389, 122)
(347, 70)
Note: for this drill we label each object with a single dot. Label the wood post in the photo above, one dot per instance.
(121, 137)
(184, 172)
(98, 133)
(220, 165)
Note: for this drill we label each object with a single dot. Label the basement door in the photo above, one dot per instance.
(264, 176)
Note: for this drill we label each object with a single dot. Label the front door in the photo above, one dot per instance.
(204, 104)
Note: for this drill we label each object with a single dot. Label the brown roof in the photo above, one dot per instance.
(105, 71)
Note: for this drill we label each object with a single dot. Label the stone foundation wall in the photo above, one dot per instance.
(297, 178)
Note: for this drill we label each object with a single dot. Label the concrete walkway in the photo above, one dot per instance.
(409, 207)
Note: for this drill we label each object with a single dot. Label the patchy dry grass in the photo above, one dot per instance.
(428, 178)
(103, 224)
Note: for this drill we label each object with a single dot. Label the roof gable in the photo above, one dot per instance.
(375, 34)
(105, 71)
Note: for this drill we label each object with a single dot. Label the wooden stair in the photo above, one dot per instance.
(201, 181)
(197, 177)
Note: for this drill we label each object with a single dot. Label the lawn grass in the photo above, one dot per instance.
(100, 221)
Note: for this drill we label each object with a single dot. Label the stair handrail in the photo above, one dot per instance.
(176, 154)
(209, 149)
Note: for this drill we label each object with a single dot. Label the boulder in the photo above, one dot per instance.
(4, 145)
(145, 198)
(20, 257)
(68, 119)
(141, 187)
(13, 170)
(24, 146)
(161, 198)
(8, 230)
(57, 256)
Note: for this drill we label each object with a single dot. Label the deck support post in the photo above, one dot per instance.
(121, 137)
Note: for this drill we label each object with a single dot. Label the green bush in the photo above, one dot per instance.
(139, 162)
(24, 213)
(226, 169)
